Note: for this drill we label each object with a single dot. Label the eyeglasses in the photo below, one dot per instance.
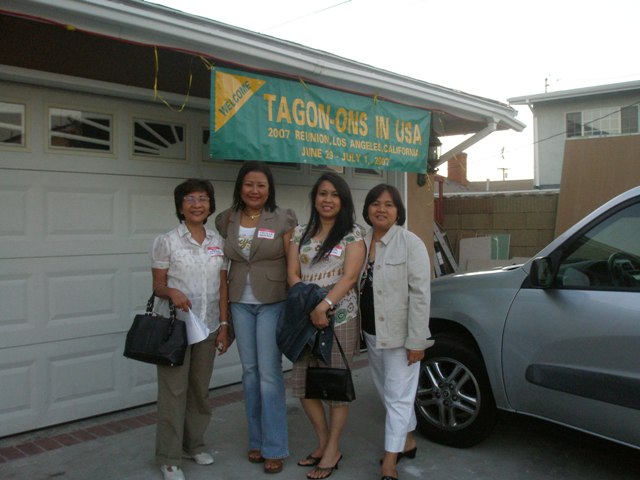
(192, 200)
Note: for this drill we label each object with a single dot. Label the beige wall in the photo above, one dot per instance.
(594, 171)
(420, 210)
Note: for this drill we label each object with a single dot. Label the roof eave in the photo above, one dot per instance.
(145, 22)
(575, 93)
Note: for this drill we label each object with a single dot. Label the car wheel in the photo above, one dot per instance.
(454, 404)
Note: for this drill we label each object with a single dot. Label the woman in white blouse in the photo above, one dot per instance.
(189, 268)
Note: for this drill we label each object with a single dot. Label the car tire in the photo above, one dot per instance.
(454, 403)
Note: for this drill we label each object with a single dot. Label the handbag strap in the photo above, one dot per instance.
(172, 307)
(344, 357)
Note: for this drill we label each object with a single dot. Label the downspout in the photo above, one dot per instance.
(445, 157)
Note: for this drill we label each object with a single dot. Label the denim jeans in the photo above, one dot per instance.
(262, 379)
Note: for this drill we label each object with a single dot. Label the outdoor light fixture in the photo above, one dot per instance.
(433, 154)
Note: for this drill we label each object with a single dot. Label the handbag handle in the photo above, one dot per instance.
(344, 357)
(172, 313)
(150, 302)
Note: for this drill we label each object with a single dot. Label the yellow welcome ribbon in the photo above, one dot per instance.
(157, 95)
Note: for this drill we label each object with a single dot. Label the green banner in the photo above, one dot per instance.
(256, 117)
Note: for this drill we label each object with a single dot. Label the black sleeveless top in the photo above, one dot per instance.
(367, 313)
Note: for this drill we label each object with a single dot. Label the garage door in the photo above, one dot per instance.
(86, 184)
(76, 224)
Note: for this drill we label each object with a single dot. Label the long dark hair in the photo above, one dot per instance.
(248, 167)
(344, 221)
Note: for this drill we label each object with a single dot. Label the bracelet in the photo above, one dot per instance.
(331, 305)
(222, 324)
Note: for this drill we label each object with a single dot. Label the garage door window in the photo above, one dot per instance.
(12, 124)
(80, 130)
(153, 138)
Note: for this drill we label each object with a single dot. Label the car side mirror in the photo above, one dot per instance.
(541, 273)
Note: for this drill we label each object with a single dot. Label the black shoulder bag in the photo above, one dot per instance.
(326, 383)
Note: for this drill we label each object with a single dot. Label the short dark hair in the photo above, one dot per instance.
(193, 185)
(373, 195)
(248, 167)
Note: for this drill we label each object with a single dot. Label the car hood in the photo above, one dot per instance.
(485, 294)
(495, 277)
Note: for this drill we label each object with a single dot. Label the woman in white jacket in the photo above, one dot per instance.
(394, 305)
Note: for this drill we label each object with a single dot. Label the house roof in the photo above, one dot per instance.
(137, 21)
(576, 93)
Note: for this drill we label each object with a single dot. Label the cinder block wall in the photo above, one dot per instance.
(528, 217)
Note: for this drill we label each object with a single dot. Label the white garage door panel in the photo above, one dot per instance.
(52, 299)
(32, 292)
(56, 382)
(13, 214)
(49, 214)
(77, 212)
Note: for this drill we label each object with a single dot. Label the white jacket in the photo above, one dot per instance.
(401, 290)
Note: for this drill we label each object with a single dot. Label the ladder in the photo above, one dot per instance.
(445, 263)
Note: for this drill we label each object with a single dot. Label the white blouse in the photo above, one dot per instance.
(194, 269)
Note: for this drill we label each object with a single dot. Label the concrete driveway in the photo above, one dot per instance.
(120, 446)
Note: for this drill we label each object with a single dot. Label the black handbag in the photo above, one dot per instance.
(326, 383)
(156, 339)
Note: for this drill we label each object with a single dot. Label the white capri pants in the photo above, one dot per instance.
(396, 383)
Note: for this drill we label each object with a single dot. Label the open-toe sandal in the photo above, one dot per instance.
(324, 471)
(273, 465)
(309, 461)
(254, 456)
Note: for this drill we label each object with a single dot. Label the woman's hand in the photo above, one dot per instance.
(414, 356)
(179, 299)
(223, 341)
(160, 289)
(320, 315)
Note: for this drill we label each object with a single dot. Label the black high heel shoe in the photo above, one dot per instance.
(327, 470)
(411, 454)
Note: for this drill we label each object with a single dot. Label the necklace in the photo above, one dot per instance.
(252, 217)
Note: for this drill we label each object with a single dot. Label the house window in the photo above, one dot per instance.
(12, 124)
(80, 130)
(598, 122)
(601, 122)
(574, 124)
(629, 119)
(152, 138)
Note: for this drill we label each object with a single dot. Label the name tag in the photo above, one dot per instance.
(337, 251)
(214, 252)
(266, 233)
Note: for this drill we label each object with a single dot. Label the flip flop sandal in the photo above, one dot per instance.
(309, 461)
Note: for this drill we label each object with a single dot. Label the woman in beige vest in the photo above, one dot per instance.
(257, 236)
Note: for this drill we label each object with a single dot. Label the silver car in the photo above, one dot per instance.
(557, 338)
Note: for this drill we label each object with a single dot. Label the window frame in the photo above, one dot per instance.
(50, 148)
(24, 145)
(133, 118)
